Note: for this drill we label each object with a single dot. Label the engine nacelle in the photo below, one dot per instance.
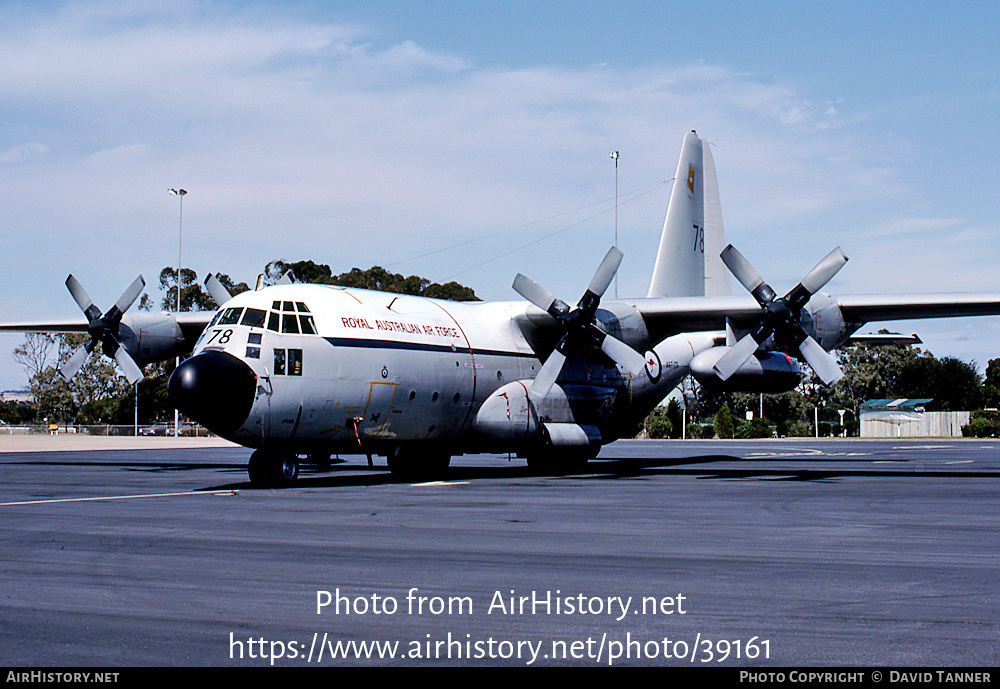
(571, 436)
(827, 324)
(763, 372)
(151, 337)
(506, 415)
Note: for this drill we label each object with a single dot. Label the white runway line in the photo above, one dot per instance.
(121, 497)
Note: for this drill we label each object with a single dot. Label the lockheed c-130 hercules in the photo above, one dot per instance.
(304, 370)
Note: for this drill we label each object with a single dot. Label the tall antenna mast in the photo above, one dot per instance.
(614, 154)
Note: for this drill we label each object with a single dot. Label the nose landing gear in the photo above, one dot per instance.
(272, 470)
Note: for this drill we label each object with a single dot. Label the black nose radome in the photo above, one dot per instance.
(215, 389)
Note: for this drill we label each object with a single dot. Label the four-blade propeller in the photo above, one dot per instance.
(781, 316)
(579, 324)
(103, 329)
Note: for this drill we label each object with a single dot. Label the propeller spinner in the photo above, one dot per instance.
(781, 316)
(103, 329)
(578, 324)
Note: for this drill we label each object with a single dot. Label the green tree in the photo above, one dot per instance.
(193, 295)
(953, 384)
(870, 372)
(375, 278)
(96, 383)
(676, 417)
(991, 386)
(231, 285)
(725, 427)
(658, 424)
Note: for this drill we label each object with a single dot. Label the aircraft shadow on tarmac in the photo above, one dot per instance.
(708, 466)
(631, 468)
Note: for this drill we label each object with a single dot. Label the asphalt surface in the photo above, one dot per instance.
(703, 553)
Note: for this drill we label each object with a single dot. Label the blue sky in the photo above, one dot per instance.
(370, 133)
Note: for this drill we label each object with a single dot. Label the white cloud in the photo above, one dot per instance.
(23, 152)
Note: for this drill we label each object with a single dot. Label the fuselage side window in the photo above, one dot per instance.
(279, 362)
(295, 362)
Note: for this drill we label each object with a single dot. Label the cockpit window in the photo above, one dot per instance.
(290, 317)
(308, 327)
(289, 324)
(254, 318)
(231, 316)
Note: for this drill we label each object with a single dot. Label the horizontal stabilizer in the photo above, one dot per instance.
(878, 339)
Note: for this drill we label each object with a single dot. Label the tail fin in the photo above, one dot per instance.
(687, 261)
(680, 266)
(717, 282)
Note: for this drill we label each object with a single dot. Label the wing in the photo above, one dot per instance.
(862, 308)
(667, 316)
(190, 323)
(70, 325)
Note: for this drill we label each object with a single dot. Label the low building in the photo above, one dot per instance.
(23, 396)
(908, 418)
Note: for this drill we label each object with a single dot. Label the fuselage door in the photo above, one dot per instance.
(380, 398)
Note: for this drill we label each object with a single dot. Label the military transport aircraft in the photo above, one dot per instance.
(303, 370)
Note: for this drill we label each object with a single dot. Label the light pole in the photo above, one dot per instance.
(614, 155)
(180, 235)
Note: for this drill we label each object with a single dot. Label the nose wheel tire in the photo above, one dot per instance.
(269, 470)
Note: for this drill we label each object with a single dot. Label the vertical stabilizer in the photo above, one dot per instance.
(680, 261)
(717, 281)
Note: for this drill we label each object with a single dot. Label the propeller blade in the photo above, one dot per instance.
(82, 299)
(576, 324)
(533, 292)
(622, 354)
(606, 272)
(824, 271)
(824, 365)
(741, 269)
(129, 296)
(738, 355)
(128, 365)
(74, 364)
(217, 290)
(547, 375)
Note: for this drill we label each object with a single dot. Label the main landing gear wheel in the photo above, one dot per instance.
(268, 470)
(547, 461)
(418, 464)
